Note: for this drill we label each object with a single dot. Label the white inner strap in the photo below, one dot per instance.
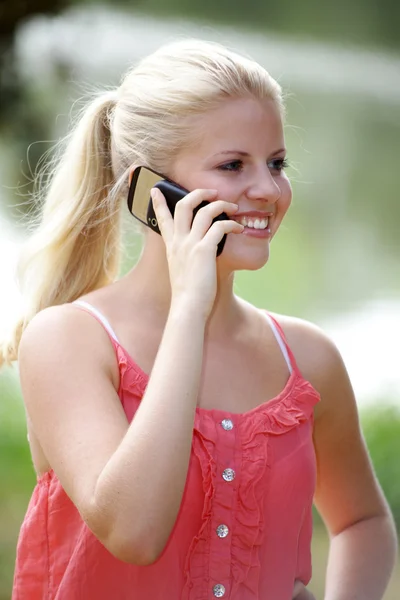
(280, 342)
(98, 314)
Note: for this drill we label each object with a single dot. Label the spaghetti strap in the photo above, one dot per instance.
(284, 346)
(97, 314)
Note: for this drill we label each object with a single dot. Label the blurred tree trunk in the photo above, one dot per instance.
(12, 14)
(14, 11)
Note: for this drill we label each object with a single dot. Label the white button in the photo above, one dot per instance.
(222, 531)
(228, 474)
(227, 424)
(219, 590)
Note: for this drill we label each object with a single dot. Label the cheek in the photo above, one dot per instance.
(192, 180)
(226, 190)
(286, 195)
(213, 180)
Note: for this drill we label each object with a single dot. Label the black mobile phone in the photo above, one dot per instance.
(141, 206)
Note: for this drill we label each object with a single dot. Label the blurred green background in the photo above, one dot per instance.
(336, 259)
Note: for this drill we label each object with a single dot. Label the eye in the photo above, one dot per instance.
(233, 165)
(278, 164)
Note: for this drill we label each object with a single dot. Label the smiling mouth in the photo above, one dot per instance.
(254, 223)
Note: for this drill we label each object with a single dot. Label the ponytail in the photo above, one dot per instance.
(76, 247)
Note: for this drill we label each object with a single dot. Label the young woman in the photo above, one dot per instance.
(179, 433)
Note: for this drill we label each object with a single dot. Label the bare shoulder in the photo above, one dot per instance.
(65, 368)
(317, 356)
(66, 335)
(314, 350)
(302, 331)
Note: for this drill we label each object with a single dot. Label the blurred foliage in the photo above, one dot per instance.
(372, 22)
(16, 474)
(12, 14)
(381, 428)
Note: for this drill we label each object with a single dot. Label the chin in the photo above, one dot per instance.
(244, 261)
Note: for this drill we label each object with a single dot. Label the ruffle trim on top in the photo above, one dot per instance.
(283, 413)
(249, 517)
(294, 404)
(276, 417)
(196, 563)
(138, 379)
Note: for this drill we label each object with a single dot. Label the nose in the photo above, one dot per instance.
(264, 187)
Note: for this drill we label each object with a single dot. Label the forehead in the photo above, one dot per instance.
(243, 122)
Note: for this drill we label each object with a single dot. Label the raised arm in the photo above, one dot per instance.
(119, 476)
(127, 481)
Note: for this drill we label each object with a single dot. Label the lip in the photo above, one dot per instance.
(257, 233)
(255, 214)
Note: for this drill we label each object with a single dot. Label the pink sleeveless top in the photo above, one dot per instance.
(244, 527)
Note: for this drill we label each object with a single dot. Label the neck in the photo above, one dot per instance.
(149, 285)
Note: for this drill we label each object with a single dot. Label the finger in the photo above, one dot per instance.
(183, 216)
(163, 214)
(217, 231)
(205, 216)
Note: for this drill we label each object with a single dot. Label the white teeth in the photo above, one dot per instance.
(254, 223)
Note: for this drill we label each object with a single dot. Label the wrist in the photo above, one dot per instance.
(185, 310)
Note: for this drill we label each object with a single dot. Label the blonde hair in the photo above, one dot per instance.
(146, 121)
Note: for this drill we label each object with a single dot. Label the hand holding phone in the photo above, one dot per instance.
(194, 226)
(141, 206)
(191, 247)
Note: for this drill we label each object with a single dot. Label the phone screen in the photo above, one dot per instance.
(139, 193)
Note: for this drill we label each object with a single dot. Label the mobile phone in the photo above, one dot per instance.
(141, 206)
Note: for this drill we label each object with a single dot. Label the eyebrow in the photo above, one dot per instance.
(241, 153)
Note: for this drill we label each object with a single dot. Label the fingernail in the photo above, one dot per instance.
(153, 193)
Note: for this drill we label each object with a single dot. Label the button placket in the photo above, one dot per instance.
(222, 536)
